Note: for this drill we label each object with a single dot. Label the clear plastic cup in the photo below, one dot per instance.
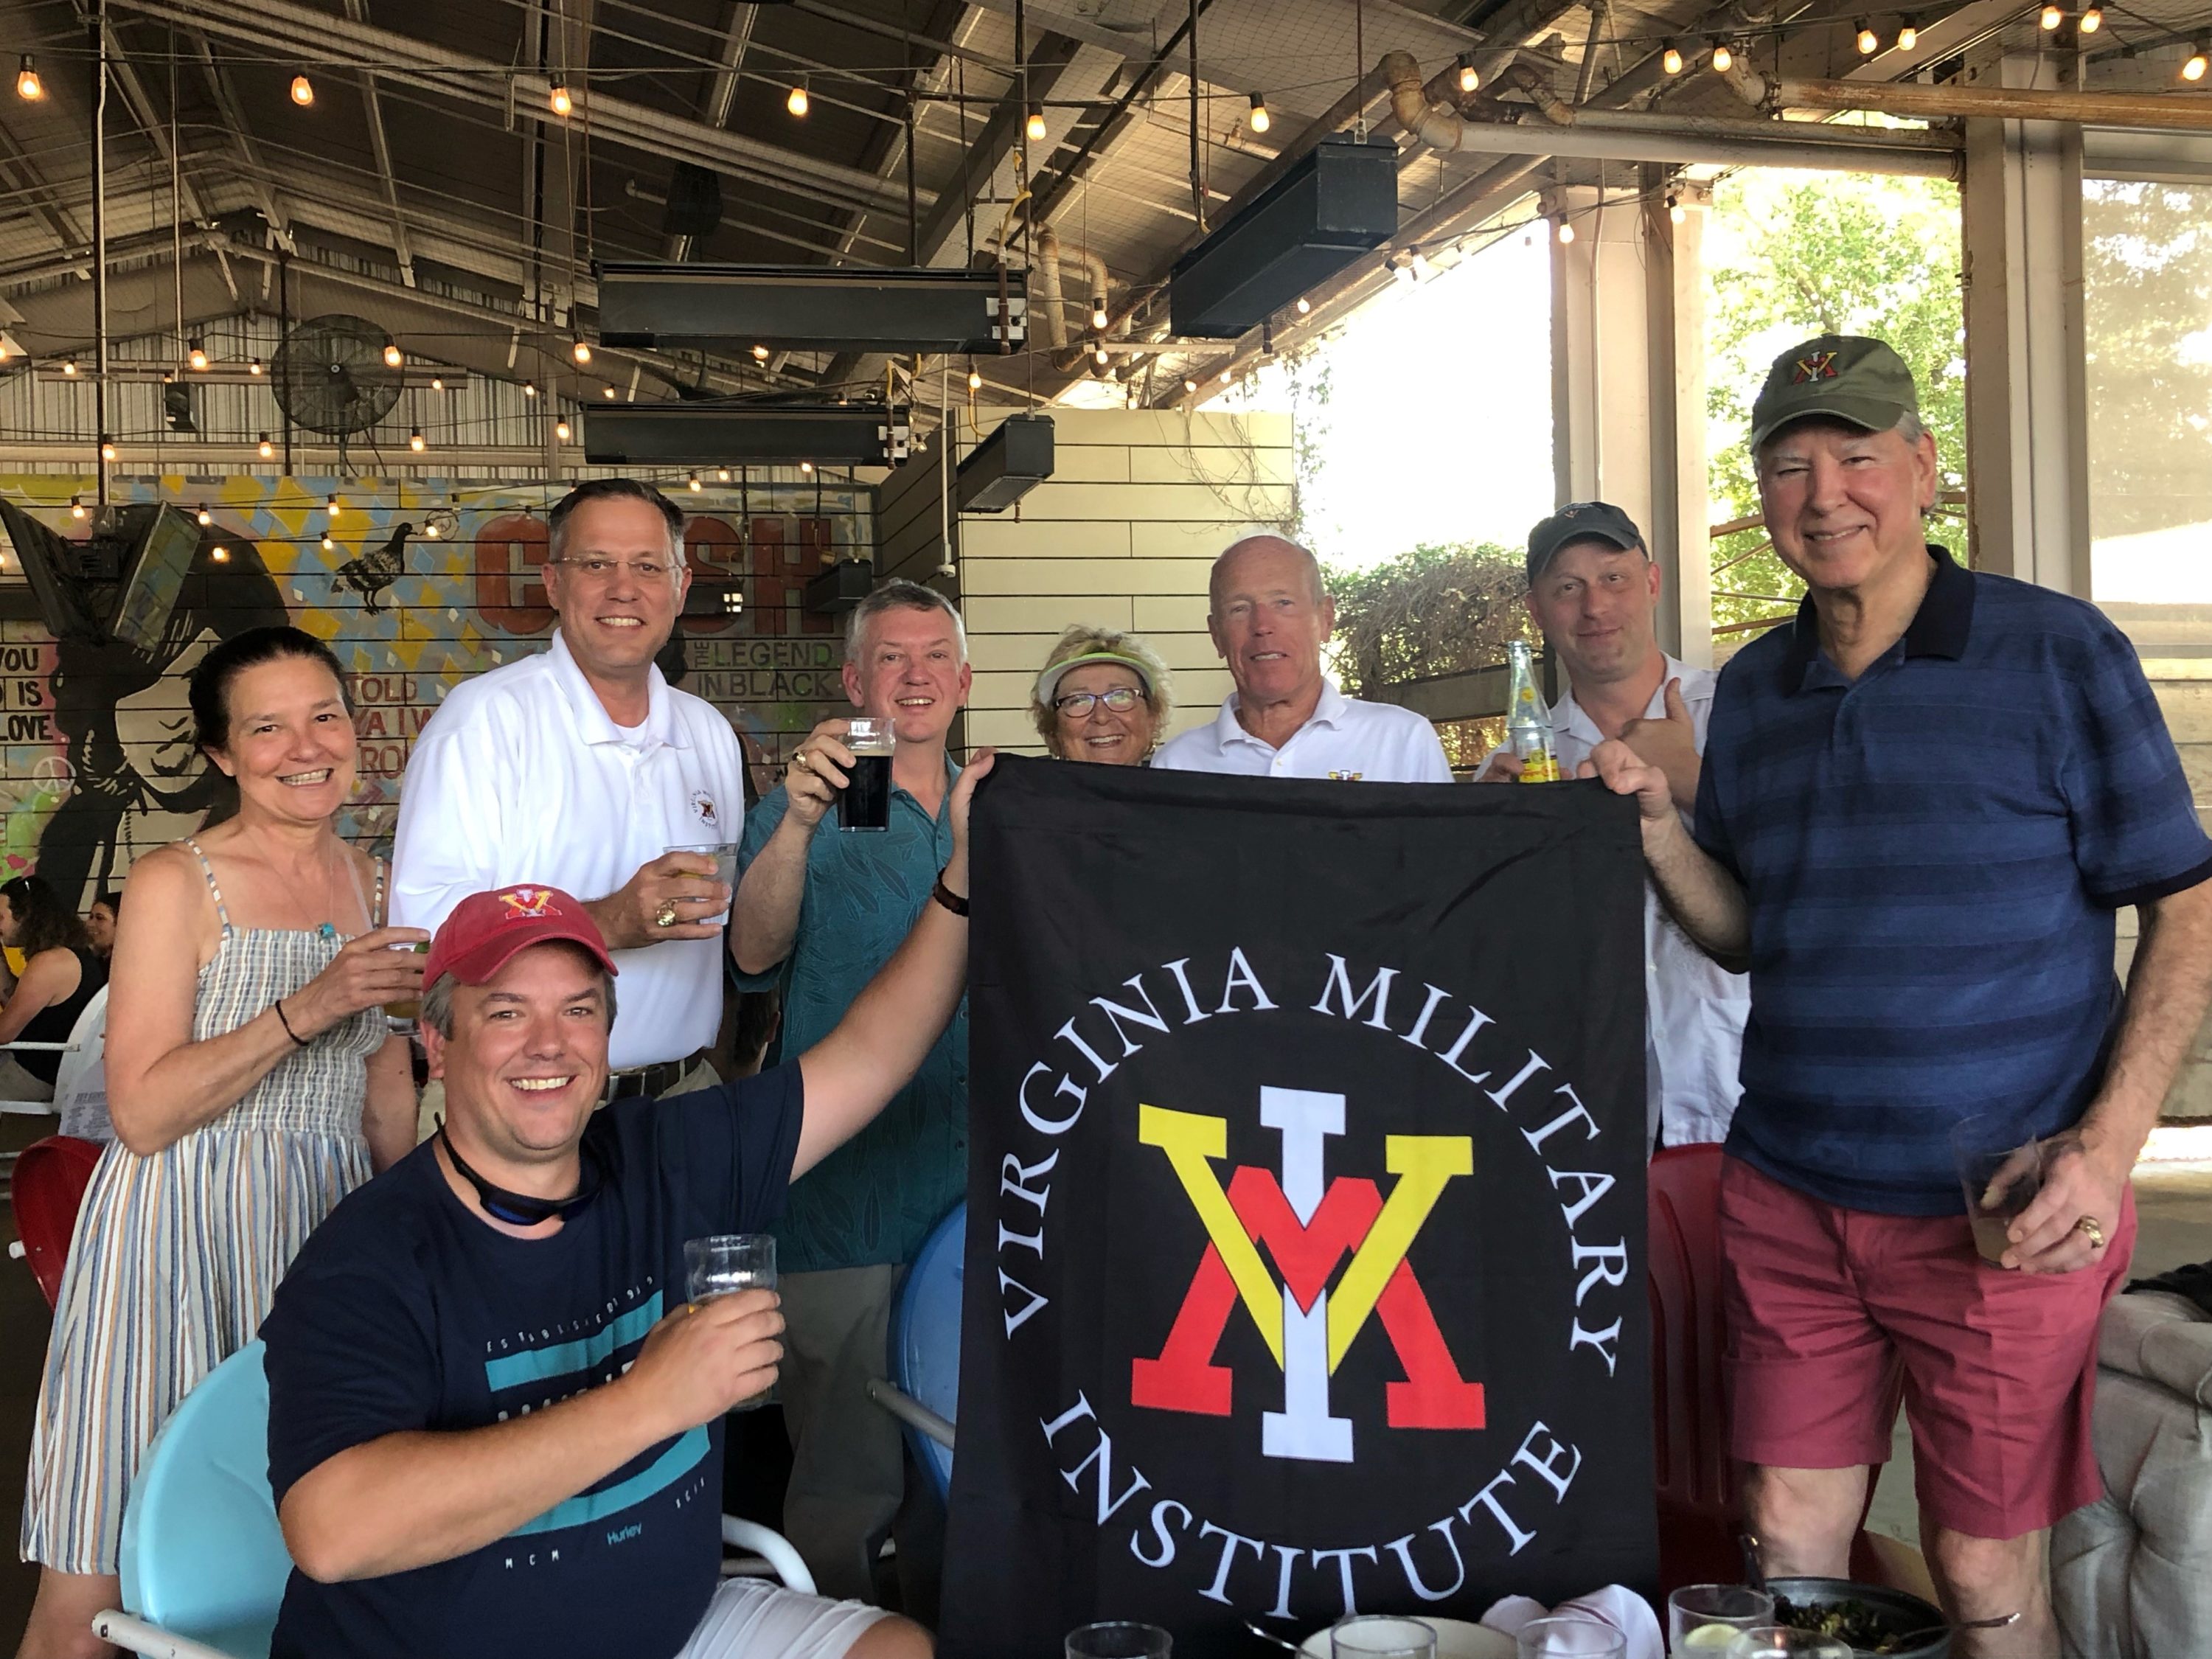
(2000, 1173)
(1702, 1617)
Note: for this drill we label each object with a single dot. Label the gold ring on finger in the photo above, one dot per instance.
(666, 916)
(800, 761)
(2093, 1229)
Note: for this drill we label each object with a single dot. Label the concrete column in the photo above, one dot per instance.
(2027, 461)
(1628, 383)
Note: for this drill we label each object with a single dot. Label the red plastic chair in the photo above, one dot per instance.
(1699, 1503)
(47, 1191)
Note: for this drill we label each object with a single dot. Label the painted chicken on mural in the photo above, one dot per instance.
(372, 573)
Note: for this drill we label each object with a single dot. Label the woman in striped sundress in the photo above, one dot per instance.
(254, 1080)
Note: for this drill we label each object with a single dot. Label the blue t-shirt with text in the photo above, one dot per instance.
(405, 1311)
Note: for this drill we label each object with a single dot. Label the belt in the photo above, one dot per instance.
(650, 1080)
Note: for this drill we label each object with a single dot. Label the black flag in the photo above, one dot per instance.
(1304, 1265)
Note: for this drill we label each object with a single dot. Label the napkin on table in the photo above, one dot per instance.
(1625, 1611)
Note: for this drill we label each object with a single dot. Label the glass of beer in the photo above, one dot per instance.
(725, 854)
(2000, 1173)
(866, 802)
(401, 1015)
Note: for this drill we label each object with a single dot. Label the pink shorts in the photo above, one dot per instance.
(1834, 1313)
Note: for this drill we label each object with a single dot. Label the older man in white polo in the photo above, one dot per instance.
(1269, 617)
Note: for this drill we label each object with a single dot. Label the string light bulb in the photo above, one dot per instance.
(256, 368)
(29, 87)
(560, 429)
(530, 388)
(693, 484)
(1869, 42)
(581, 351)
(196, 354)
(760, 353)
(2091, 20)
(1259, 120)
(106, 448)
(1189, 385)
(608, 392)
(1034, 126)
(722, 474)
(1468, 80)
(1723, 57)
(328, 545)
(303, 91)
(1676, 213)
(220, 554)
(77, 507)
(332, 507)
(796, 103)
(393, 357)
(416, 440)
(68, 367)
(1098, 317)
(1305, 305)
(1098, 355)
(974, 379)
(266, 450)
(1566, 231)
(1224, 377)
(806, 467)
(557, 97)
(2193, 70)
(437, 383)
(205, 517)
(2051, 17)
(1908, 34)
(1671, 60)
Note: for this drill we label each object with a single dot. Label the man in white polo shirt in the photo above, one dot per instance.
(579, 768)
(1594, 591)
(1269, 616)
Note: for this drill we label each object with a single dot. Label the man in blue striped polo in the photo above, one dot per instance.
(1921, 804)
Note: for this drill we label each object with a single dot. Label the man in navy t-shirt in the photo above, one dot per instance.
(495, 1423)
(1920, 808)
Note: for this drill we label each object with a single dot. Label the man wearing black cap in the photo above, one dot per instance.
(495, 1421)
(1921, 806)
(1594, 591)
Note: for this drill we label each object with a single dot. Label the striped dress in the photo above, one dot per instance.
(176, 1256)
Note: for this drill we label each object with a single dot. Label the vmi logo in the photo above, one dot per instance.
(1309, 1225)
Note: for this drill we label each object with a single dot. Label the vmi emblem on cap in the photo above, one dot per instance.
(527, 904)
(1839, 377)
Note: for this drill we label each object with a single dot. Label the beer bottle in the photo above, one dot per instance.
(1528, 722)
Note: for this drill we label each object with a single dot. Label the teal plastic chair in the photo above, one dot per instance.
(204, 1563)
(924, 1390)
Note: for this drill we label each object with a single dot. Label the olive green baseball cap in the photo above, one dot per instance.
(1843, 377)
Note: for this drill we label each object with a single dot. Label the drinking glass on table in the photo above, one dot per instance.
(725, 854)
(1762, 1640)
(1379, 1636)
(1999, 1173)
(1118, 1639)
(1569, 1637)
(1709, 1616)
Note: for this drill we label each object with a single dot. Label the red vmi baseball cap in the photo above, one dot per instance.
(486, 929)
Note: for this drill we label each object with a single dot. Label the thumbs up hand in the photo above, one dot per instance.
(1670, 744)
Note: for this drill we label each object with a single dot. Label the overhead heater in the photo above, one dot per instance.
(808, 308)
(1339, 200)
(1005, 466)
(708, 434)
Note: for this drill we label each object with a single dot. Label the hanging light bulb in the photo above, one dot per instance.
(560, 429)
(1034, 126)
(530, 388)
(106, 448)
(974, 379)
(1259, 120)
(1566, 229)
(1723, 57)
(1676, 213)
(608, 392)
(2091, 20)
(581, 351)
(1468, 80)
(806, 467)
(693, 484)
(392, 358)
(416, 441)
(2051, 17)
(1908, 34)
(797, 102)
(431, 530)
(1189, 385)
(205, 517)
(303, 91)
(1671, 60)
(220, 554)
(196, 354)
(266, 450)
(1305, 305)
(437, 383)
(77, 507)
(256, 368)
(1224, 377)
(328, 545)
(760, 353)
(1098, 317)
(1869, 42)
(29, 87)
(722, 475)
(2194, 69)
(557, 97)
(68, 367)
(1098, 355)
(332, 507)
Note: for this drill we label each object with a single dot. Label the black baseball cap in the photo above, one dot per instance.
(1578, 521)
(1842, 377)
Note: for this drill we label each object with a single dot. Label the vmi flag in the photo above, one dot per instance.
(1305, 1264)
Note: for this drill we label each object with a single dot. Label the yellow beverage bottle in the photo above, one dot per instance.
(1527, 721)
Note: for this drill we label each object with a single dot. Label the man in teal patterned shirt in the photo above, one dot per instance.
(818, 910)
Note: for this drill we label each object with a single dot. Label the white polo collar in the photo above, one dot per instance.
(1569, 717)
(1330, 712)
(593, 722)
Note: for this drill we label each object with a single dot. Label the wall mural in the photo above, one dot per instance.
(424, 583)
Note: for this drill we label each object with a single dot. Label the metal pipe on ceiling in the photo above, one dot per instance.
(2179, 111)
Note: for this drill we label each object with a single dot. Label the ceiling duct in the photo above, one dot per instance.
(808, 308)
(1339, 201)
(1005, 466)
(694, 434)
(120, 583)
